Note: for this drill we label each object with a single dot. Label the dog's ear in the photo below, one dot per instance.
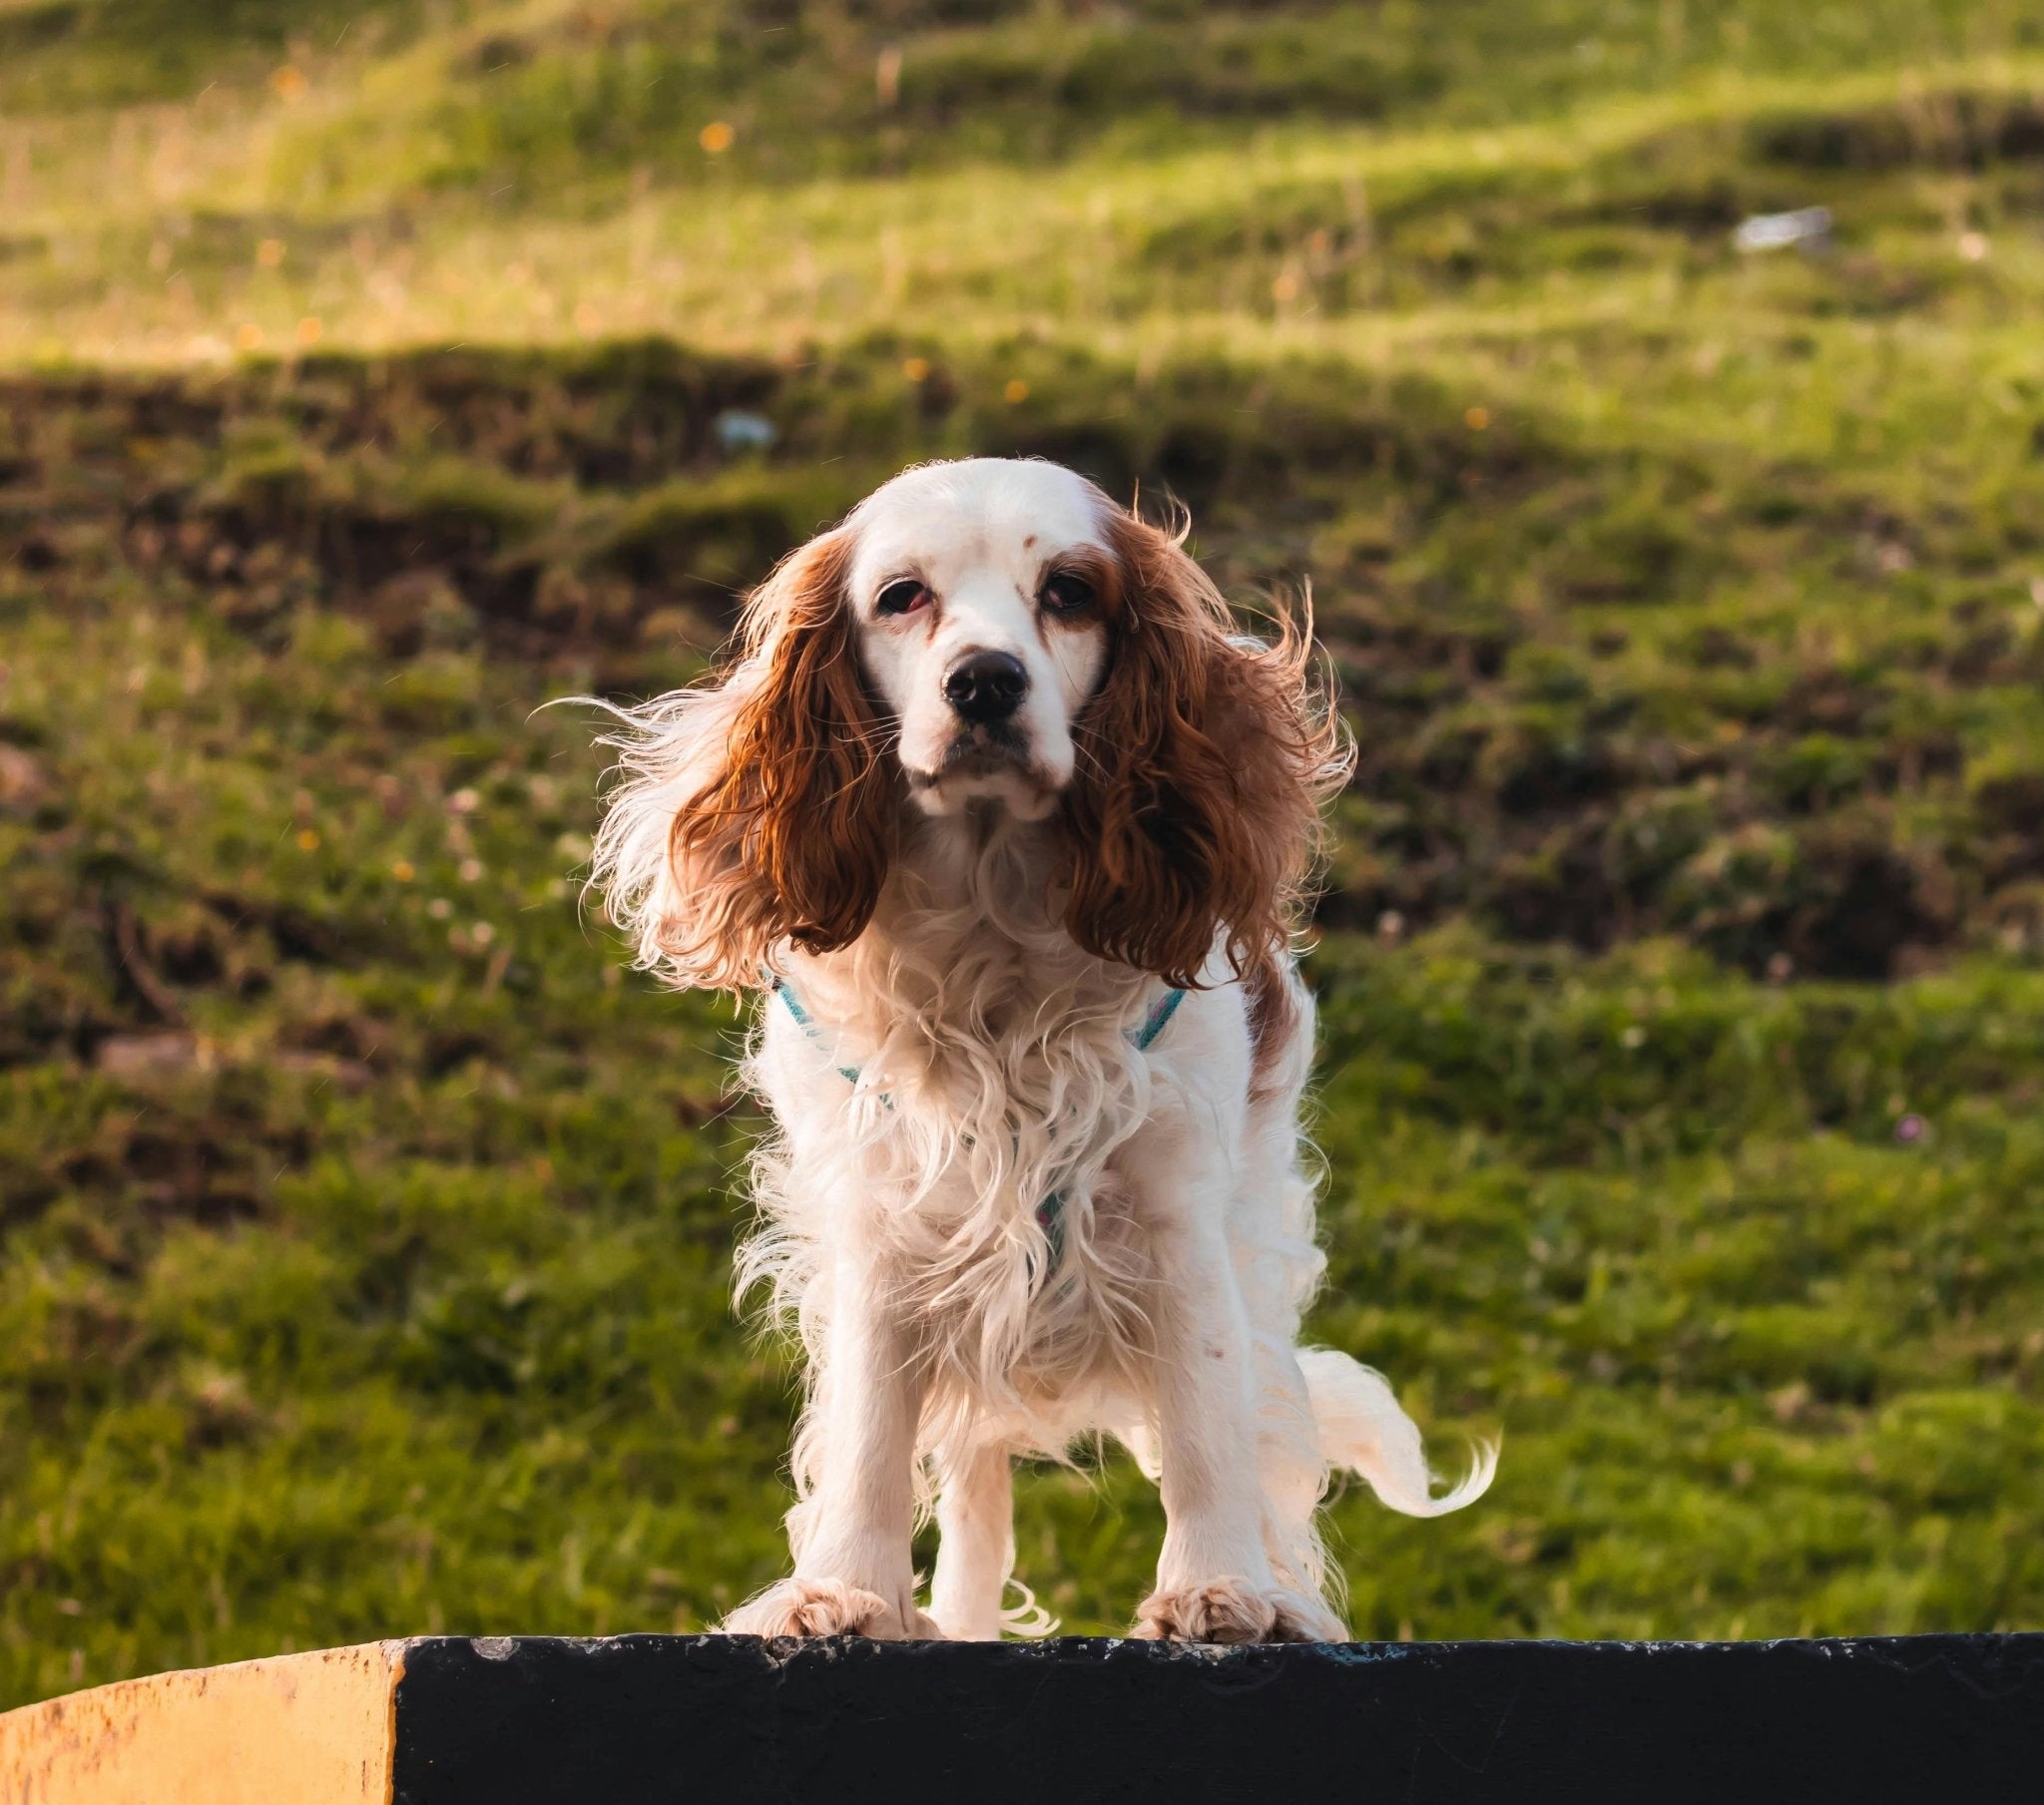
(1193, 819)
(758, 810)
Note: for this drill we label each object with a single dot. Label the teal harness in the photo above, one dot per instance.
(1050, 1214)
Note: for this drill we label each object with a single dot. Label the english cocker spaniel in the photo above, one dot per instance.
(1008, 824)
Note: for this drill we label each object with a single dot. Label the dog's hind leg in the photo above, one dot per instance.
(976, 1543)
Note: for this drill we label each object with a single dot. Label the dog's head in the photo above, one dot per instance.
(995, 637)
(983, 595)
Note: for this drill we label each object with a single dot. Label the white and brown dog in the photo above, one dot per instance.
(1011, 823)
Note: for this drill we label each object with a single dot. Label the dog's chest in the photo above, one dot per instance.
(971, 1146)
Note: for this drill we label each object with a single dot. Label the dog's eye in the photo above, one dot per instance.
(1065, 593)
(902, 597)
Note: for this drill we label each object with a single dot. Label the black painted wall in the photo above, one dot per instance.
(636, 1719)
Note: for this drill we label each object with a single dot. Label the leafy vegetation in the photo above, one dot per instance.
(364, 1233)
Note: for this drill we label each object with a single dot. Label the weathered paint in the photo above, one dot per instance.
(295, 1729)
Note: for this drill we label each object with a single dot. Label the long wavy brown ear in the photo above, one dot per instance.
(760, 809)
(1193, 819)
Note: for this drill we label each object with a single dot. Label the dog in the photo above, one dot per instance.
(1010, 826)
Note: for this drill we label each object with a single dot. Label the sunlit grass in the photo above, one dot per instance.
(137, 230)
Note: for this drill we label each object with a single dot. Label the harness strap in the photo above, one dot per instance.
(807, 1023)
(1158, 1019)
(1143, 1038)
(1050, 1214)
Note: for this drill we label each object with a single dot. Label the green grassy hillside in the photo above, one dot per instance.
(364, 1233)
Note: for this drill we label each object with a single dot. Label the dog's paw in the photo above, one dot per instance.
(809, 1608)
(1234, 1610)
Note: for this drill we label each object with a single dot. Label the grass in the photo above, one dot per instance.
(364, 1234)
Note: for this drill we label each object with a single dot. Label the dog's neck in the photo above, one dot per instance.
(968, 945)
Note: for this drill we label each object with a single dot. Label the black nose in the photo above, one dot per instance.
(986, 687)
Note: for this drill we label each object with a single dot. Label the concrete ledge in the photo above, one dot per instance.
(632, 1720)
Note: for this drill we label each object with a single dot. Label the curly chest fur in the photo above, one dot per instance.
(954, 1112)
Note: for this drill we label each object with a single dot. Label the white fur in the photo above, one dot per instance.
(897, 1226)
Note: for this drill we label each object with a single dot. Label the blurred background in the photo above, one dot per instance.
(372, 373)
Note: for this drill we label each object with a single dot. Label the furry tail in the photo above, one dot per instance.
(1362, 1429)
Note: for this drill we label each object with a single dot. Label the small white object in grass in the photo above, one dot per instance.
(1778, 231)
(1973, 247)
(737, 430)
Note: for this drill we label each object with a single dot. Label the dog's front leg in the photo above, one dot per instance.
(853, 1570)
(1213, 1579)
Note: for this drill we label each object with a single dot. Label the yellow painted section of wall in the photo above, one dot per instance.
(297, 1729)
